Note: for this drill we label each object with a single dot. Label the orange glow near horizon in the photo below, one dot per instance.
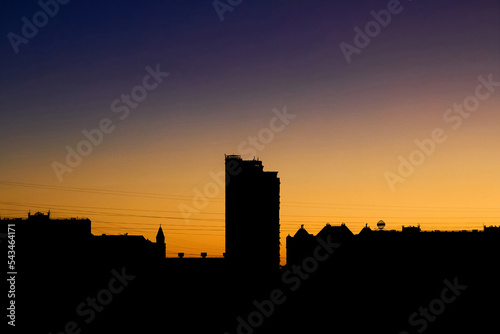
(352, 123)
(340, 182)
(330, 173)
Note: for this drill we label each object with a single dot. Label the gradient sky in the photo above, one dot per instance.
(353, 120)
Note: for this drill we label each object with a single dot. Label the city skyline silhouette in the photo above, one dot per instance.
(160, 110)
(233, 166)
(365, 274)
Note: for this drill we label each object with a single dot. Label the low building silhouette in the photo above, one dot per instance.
(302, 244)
(71, 239)
(298, 245)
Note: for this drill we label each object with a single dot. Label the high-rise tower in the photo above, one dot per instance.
(252, 215)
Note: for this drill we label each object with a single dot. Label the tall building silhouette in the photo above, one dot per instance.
(252, 215)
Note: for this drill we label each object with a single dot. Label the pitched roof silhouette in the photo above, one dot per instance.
(160, 233)
(339, 233)
(302, 233)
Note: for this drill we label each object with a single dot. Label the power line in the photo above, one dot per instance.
(221, 220)
(120, 214)
(93, 190)
(179, 197)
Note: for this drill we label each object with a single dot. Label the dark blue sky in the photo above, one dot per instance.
(89, 42)
(278, 51)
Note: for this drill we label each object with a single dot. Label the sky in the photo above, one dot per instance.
(122, 111)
